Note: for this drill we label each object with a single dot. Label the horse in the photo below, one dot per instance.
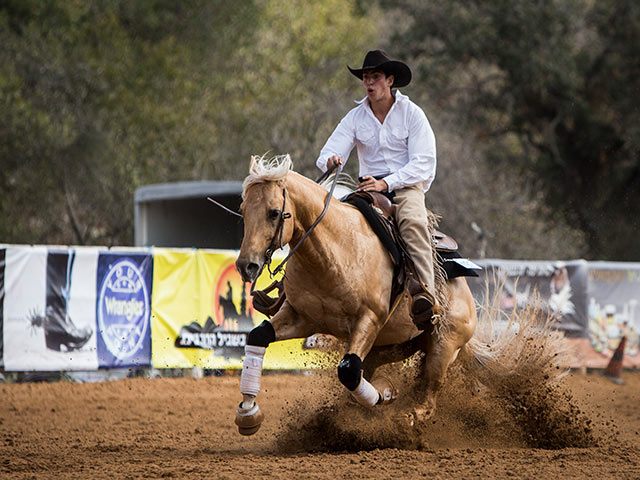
(338, 282)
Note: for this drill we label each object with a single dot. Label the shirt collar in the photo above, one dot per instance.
(399, 98)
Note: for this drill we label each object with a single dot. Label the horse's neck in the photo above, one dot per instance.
(309, 200)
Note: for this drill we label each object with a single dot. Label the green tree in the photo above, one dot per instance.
(101, 97)
(546, 89)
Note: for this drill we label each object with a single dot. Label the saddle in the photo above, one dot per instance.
(373, 202)
(379, 212)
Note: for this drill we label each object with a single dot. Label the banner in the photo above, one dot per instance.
(3, 252)
(84, 308)
(561, 288)
(614, 292)
(49, 309)
(123, 309)
(202, 313)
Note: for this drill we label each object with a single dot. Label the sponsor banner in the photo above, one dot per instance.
(49, 309)
(560, 287)
(613, 310)
(3, 252)
(123, 309)
(202, 313)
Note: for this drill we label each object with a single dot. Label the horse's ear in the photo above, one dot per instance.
(253, 161)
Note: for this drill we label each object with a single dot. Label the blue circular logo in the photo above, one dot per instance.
(123, 309)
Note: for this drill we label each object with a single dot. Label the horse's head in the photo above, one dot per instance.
(266, 210)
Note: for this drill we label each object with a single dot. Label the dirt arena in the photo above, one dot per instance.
(183, 428)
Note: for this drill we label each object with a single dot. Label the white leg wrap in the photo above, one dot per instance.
(366, 394)
(251, 370)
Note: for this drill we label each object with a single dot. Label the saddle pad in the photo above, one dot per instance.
(375, 221)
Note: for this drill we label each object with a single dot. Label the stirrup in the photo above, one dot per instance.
(422, 310)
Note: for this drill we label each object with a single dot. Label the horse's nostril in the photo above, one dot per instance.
(248, 270)
(252, 269)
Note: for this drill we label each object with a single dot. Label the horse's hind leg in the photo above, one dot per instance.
(380, 367)
(440, 354)
(442, 349)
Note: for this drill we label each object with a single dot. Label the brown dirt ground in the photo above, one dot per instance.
(183, 428)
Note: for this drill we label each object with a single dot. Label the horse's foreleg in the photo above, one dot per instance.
(284, 325)
(350, 371)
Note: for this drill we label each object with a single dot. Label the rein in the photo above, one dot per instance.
(308, 232)
(228, 210)
(285, 215)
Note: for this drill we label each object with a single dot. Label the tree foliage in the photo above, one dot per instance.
(101, 97)
(547, 90)
(533, 104)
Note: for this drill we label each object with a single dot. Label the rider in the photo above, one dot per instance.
(397, 153)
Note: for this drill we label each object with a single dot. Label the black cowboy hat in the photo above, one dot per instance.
(379, 60)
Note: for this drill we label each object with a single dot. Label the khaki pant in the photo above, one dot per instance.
(411, 215)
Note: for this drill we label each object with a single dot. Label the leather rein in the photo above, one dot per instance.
(284, 215)
(277, 236)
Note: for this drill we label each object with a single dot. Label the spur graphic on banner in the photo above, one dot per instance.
(123, 309)
(60, 332)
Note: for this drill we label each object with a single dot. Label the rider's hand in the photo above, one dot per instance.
(370, 184)
(334, 160)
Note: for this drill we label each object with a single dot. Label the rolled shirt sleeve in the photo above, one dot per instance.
(421, 167)
(340, 143)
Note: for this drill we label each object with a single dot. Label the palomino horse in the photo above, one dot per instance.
(338, 282)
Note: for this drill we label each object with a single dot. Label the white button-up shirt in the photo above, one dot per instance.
(402, 149)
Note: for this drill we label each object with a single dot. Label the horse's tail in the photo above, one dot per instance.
(525, 352)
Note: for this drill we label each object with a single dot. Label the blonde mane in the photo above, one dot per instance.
(263, 169)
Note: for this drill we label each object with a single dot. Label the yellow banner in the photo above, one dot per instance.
(202, 312)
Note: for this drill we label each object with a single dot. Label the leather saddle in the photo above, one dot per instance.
(383, 206)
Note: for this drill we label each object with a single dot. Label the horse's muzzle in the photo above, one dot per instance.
(248, 269)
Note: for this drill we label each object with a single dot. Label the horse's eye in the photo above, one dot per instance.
(274, 214)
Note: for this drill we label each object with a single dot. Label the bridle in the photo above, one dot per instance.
(277, 236)
(284, 215)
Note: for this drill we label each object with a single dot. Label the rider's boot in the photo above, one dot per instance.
(423, 304)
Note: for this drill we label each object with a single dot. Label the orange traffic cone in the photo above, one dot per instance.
(613, 370)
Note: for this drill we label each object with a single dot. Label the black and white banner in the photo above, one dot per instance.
(49, 311)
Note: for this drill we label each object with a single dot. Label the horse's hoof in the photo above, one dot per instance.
(249, 420)
(388, 392)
